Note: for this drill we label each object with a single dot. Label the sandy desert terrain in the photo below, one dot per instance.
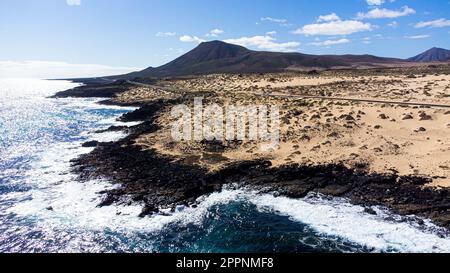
(318, 124)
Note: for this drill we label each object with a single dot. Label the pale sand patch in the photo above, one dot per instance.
(290, 82)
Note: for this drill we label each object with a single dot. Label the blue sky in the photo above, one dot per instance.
(89, 37)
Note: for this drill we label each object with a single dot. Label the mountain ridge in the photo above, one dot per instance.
(434, 54)
(221, 57)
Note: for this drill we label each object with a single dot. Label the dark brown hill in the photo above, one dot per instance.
(220, 57)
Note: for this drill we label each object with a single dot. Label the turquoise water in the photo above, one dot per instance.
(43, 208)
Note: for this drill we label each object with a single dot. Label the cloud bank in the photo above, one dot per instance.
(334, 28)
(265, 43)
(378, 13)
(190, 39)
(331, 42)
(73, 2)
(58, 70)
(436, 23)
(215, 32)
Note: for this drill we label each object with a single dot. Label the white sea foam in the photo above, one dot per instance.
(93, 104)
(383, 231)
(74, 205)
(335, 217)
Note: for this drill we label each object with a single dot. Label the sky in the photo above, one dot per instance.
(79, 38)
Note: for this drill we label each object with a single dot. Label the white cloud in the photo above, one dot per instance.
(58, 70)
(375, 2)
(73, 2)
(436, 23)
(264, 43)
(165, 34)
(328, 18)
(334, 28)
(271, 33)
(331, 42)
(190, 39)
(378, 13)
(367, 40)
(418, 37)
(215, 32)
(275, 20)
(280, 21)
(393, 24)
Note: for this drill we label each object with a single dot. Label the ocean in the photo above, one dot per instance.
(43, 208)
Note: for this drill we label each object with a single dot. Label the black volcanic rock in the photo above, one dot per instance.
(220, 57)
(433, 55)
(95, 90)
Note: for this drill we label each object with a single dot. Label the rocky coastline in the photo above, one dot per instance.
(161, 181)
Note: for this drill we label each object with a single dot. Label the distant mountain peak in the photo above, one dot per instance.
(434, 54)
(217, 50)
(215, 42)
(218, 43)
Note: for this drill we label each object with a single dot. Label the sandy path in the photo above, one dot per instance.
(363, 100)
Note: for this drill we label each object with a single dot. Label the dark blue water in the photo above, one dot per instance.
(241, 227)
(43, 208)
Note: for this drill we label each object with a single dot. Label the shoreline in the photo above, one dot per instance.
(164, 181)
